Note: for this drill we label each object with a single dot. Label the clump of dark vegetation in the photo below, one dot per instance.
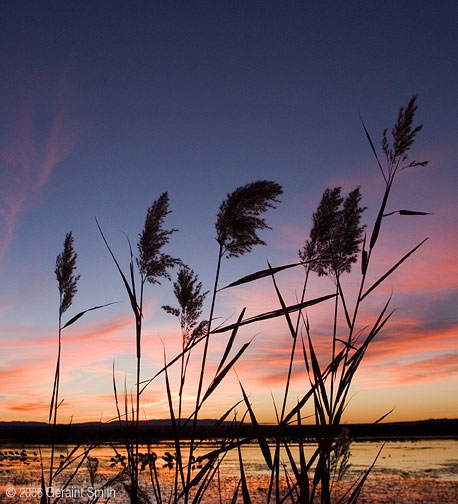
(336, 242)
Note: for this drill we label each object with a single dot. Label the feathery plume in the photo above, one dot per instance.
(403, 133)
(336, 233)
(65, 266)
(151, 261)
(238, 217)
(188, 292)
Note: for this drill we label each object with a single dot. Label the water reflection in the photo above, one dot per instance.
(413, 465)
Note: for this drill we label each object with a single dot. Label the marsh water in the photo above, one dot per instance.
(406, 472)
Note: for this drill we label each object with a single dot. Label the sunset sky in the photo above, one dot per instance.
(106, 105)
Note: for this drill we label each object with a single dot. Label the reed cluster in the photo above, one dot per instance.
(336, 243)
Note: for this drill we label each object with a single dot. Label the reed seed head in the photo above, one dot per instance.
(66, 279)
(336, 233)
(403, 134)
(153, 263)
(188, 292)
(239, 216)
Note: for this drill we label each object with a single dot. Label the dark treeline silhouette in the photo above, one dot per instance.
(155, 431)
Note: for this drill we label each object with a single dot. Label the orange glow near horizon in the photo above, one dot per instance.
(405, 360)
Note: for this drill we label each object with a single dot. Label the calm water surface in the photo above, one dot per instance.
(406, 472)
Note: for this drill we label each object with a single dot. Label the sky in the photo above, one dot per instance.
(106, 105)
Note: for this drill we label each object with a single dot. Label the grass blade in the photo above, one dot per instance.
(257, 429)
(406, 212)
(388, 273)
(80, 314)
(245, 493)
(285, 311)
(231, 341)
(218, 378)
(292, 462)
(303, 478)
(300, 404)
(378, 221)
(198, 477)
(383, 416)
(318, 376)
(132, 298)
(206, 483)
(231, 446)
(364, 257)
(373, 149)
(261, 274)
(43, 498)
(353, 499)
(276, 313)
(174, 425)
(145, 383)
(236, 493)
(356, 358)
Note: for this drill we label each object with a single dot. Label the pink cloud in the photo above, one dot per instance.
(402, 338)
(409, 337)
(82, 348)
(437, 368)
(20, 336)
(34, 407)
(30, 155)
(17, 374)
(88, 351)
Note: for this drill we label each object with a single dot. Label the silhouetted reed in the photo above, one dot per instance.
(336, 234)
(331, 249)
(153, 264)
(67, 281)
(335, 243)
(238, 220)
(70, 464)
(188, 292)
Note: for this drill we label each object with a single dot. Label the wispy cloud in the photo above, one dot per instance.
(40, 138)
(437, 368)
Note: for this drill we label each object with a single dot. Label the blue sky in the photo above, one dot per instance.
(105, 105)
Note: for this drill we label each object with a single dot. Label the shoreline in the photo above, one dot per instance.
(154, 431)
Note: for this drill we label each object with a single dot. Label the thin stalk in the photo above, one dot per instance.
(334, 335)
(138, 330)
(55, 395)
(364, 275)
(183, 368)
(275, 469)
(180, 399)
(154, 477)
(290, 368)
(202, 369)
